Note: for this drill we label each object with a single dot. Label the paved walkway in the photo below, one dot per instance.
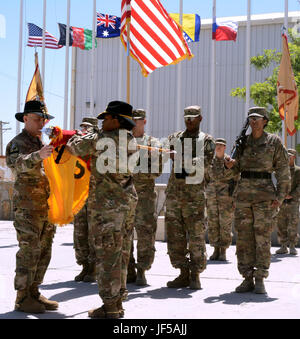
(216, 299)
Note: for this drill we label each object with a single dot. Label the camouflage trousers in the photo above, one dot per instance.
(35, 236)
(112, 229)
(287, 224)
(219, 216)
(253, 223)
(185, 227)
(145, 224)
(83, 242)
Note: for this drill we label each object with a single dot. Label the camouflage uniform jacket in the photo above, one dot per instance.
(146, 181)
(219, 186)
(209, 149)
(266, 154)
(31, 188)
(295, 183)
(114, 184)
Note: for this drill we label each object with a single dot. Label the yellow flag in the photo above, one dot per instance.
(69, 180)
(35, 90)
(287, 93)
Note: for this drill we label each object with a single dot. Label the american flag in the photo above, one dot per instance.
(156, 40)
(35, 38)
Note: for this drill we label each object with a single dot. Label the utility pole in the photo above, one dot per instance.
(2, 130)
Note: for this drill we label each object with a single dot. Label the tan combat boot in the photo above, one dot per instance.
(259, 286)
(293, 250)
(91, 274)
(83, 273)
(50, 305)
(246, 286)
(25, 303)
(105, 312)
(183, 280)
(140, 277)
(215, 255)
(195, 281)
(282, 250)
(222, 255)
(131, 274)
(120, 308)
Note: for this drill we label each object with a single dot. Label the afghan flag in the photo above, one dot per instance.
(79, 37)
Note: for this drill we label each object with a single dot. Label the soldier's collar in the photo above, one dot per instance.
(260, 141)
(32, 138)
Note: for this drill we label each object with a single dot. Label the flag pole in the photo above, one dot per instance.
(179, 77)
(248, 52)
(93, 58)
(285, 31)
(44, 42)
(128, 61)
(213, 75)
(20, 63)
(67, 67)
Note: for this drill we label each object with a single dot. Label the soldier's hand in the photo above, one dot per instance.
(275, 204)
(228, 162)
(46, 151)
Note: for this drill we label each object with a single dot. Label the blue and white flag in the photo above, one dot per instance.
(108, 26)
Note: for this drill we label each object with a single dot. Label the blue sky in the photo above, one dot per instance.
(81, 16)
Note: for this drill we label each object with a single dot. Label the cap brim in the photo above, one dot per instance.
(220, 143)
(192, 116)
(255, 115)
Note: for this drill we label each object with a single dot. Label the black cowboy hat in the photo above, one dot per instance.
(121, 109)
(34, 107)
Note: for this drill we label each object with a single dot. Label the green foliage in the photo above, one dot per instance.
(265, 93)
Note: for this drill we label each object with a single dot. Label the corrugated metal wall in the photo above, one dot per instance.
(159, 94)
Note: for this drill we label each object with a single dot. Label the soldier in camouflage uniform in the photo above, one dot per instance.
(145, 219)
(114, 201)
(219, 201)
(24, 156)
(185, 203)
(83, 245)
(257, 200)
(288, 216)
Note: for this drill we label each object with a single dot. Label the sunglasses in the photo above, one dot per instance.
(190, 119)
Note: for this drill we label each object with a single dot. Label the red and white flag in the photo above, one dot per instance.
(156, 40)
(287, 92)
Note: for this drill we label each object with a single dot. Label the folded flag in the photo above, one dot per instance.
(224, 31)
(79, 37)
(191, 25)
(69, 178)
(108, 26)
(35, 90)
(35, 38)
(287, 92)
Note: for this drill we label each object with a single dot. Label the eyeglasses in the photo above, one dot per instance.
(255, 118)
(190, 119)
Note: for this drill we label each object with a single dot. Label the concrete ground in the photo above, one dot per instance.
(216, 299)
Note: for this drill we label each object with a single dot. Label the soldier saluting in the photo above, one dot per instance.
(256, 198)
(24, 156)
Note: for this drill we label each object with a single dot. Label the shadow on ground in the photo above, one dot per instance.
(74, 290)
(233, 298)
